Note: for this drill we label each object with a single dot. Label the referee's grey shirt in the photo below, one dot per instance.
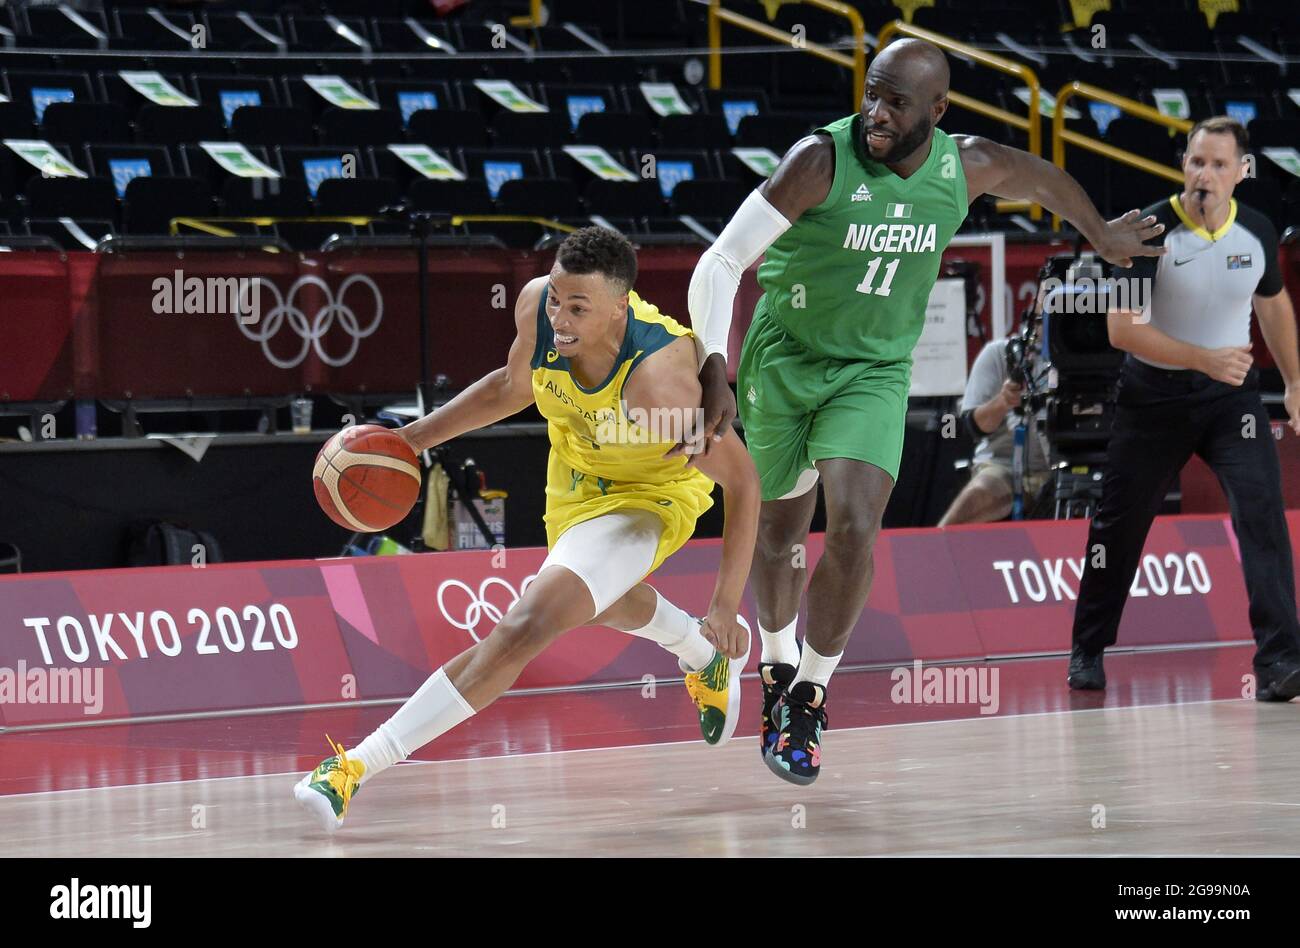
(1200, 291)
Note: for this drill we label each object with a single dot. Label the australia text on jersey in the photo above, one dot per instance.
(634, 425)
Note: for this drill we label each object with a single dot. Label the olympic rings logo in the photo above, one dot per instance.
(478, 607)
(312, 331)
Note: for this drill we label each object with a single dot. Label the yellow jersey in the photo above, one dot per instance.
(600, 459)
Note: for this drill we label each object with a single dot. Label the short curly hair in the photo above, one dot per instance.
(599, 250)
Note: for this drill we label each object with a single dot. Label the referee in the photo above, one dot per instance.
(1188, 386)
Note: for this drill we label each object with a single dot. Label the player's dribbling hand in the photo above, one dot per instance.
(725, 633)
(1229, 364)
(1126, 236)
(719, 410)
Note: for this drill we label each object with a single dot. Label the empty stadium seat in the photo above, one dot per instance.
(79, 123)
(398, 36)
(530, 129)
(496, 166)
(265, 197)
(702, 130)
(775, 131)
(340, 197)
(165, 125)
(323, 33)
(51, 26)
(408, 96)
(122, 163)
(442, 128)
(228, 93)
(450, 197)
(319, 163)
(615, 130)
(717, 199)
(153, 28)
(15, 121)
(230, 31)
(36, 90)
(540, 197)
(575, 101)
(113, 88)
(272, 125)
(671, 167)
(195, 162)
(151, 202)
(630, 199)
(361, 126)
(71, 197)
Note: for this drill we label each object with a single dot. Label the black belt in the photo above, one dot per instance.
(1133, 364)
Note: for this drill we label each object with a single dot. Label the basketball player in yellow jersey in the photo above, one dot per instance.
(617, 382)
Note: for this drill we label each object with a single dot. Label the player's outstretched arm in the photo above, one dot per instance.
(1019, 176)
(497, 395)
(666, 390)
(801, 180)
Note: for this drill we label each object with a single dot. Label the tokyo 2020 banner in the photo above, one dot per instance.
(128, 644)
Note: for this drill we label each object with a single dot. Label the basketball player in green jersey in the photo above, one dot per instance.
(854, 222)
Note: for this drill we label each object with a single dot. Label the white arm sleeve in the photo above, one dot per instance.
(754, 228)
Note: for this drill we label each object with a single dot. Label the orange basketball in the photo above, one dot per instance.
(366, 478)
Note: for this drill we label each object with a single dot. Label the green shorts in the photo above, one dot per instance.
(799, 407)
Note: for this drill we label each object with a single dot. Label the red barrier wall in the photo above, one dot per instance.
(86, 323)
(229, 637)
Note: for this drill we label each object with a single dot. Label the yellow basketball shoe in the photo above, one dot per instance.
(715, 689)
(326, 792)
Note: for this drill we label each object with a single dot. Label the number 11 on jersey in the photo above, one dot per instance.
(883, 289)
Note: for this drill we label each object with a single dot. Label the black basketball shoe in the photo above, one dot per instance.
(798, 721)
(775, 678)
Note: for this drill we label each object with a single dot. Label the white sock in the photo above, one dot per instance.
(780, 647)
(678, 632)
(815, 668)
(433, 710)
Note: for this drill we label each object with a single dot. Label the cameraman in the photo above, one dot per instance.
(990, 411)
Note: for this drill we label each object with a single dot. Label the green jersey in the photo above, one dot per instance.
(851, 278)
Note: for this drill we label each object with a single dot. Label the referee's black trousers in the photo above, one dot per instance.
(1163, 417)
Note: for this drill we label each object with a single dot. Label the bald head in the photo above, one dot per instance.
(916, 64)
(905, 96)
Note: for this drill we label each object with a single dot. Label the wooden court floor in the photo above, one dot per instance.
(1205, 773)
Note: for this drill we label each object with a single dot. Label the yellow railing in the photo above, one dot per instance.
(534, 17)
(212, 225)
(1062, 135)
(857, 61)
(1030, 124)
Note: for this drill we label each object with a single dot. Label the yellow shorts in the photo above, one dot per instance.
(574, 496)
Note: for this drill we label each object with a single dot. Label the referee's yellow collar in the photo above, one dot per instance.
(1196, 228)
